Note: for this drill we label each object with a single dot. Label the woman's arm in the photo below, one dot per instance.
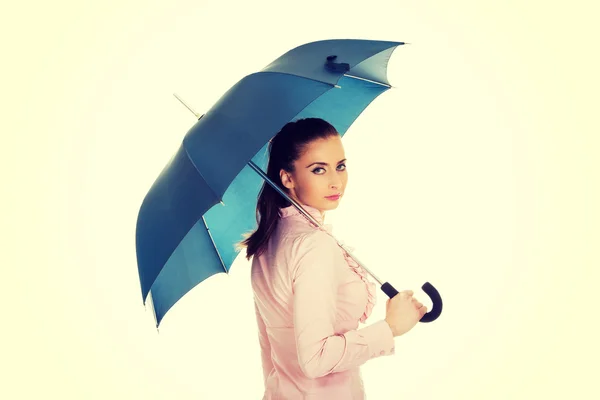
(315, 285)
(265, 346)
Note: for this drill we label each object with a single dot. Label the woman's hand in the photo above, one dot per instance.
(403, 312)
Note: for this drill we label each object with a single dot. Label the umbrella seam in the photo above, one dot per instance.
(214, 244)
(202, 176)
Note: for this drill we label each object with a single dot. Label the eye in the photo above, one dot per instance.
(341, 167)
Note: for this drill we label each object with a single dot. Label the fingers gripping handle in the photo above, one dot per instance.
(431, 291)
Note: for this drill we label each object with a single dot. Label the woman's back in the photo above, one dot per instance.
(309, 300)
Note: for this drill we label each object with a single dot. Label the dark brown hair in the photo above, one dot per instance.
(284, 148)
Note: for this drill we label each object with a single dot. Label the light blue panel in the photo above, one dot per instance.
(341, 107)
(375, 67)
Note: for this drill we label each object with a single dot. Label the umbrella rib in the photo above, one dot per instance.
(325, 82)
(214, 244)
(367, 80)
(153, 309)
(300, 76)
(200, 173)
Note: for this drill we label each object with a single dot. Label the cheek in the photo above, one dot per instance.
(311, 185)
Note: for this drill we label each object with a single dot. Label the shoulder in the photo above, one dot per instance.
(315, 239)
(302, 243)
(315, 251)
(299, 235)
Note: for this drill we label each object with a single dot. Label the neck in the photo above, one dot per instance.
(321, 212)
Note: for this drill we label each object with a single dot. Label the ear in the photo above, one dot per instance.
(286, 179)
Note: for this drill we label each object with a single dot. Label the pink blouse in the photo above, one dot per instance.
(309, 298)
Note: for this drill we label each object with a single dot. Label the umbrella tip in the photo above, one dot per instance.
(187, 106)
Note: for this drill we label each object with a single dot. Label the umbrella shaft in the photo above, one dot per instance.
(260, 172)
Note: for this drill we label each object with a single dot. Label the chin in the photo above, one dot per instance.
(330, 205)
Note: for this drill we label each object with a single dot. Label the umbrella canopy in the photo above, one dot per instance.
(205, 198)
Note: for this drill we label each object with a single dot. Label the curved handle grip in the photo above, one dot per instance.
(431, 291)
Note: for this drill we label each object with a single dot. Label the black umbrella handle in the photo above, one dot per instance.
(431, 291)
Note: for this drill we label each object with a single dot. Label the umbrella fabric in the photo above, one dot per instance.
(184, 233)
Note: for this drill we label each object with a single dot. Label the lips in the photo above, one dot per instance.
(334, 197)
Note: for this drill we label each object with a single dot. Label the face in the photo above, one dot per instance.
(318, 173)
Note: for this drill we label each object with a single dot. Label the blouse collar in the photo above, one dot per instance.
(292, 211)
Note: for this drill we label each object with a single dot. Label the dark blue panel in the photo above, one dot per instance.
(229, 135)
(172, 206)
(192, 262)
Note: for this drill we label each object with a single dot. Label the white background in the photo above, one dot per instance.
(477, 172)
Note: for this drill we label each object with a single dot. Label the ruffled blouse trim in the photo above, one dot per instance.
(362, 274)
(356, 268)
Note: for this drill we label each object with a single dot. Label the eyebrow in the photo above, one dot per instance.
(323, 163)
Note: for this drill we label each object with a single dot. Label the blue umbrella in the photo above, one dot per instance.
(205, 198)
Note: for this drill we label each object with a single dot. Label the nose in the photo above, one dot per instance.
(335, 182)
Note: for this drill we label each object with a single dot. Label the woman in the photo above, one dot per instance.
(309, 295)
